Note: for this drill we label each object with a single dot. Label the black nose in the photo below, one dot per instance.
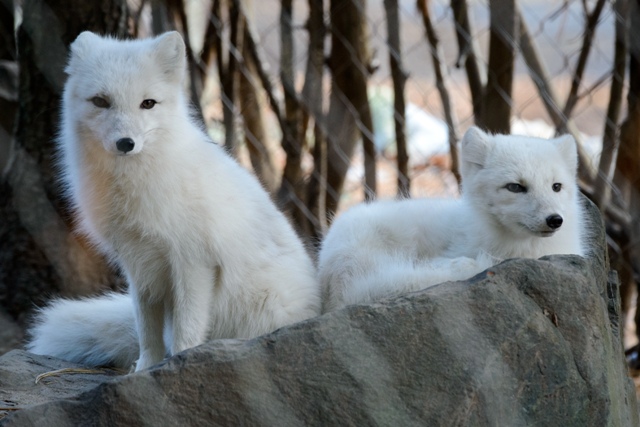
(554, 221)
(126, 144)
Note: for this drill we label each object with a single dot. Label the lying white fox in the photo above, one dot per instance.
(519, 199)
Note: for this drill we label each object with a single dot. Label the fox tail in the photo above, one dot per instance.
(99, 331)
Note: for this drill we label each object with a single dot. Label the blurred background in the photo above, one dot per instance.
(330, 103)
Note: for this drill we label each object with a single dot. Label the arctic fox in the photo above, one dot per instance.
(205, 251)
(519, 199)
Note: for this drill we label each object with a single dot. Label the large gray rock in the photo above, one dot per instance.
(525, 343)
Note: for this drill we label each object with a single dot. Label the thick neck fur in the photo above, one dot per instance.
(110, 191)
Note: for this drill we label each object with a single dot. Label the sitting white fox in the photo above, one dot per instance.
(205, 251)
(519, 199)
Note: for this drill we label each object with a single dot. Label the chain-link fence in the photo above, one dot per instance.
(334, 102)
(435, 54)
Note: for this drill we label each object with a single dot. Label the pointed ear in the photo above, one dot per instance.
(80, 49)
(474, 147)
(568, 149)
(171, 54)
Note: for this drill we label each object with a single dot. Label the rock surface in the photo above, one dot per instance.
(10, 333)
(528, 342)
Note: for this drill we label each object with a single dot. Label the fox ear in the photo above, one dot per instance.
(80, 48)
(568, 148)
(473, 151)
(171, 54)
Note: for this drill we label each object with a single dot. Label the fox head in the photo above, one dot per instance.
(525, 185)
(120, 93)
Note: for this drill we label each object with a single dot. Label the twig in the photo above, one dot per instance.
(449, 113)
(227, 72)
(195, 84)
(467, 54)
(292, 136)
(261, 65)
(587, 41)
(214, 27)
(610, 136)
(312, 99)
(540, 78)
(399, 77)
(68, 371)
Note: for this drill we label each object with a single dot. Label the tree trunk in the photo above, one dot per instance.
(627, 176)
(249, 97)
(468, 56)
(349, 106)
(39, 254)
(291, 195)
(312, 98)
(8, 81)
(447, 103)
(609, 151)
(399, 77)
(496, 108)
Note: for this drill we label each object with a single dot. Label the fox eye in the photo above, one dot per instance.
(100, 102)
(148, 104)
(514, 187)
(556, 187)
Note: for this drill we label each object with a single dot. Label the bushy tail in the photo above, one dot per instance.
(93, 331)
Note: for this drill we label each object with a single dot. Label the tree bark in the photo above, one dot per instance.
(447, 107)
(312, 98)
(627, 173)
(177, 9)
(8, 81)
(249, 97)
(291, 194)
(40, 256)
(349, 107)
(399, 77)
(608, 155)
(587, 41)
(497, 102)
(227, 62)
(468, 56)
(540, 78)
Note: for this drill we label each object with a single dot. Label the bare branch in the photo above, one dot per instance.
(292, 192)
(228, 75)
(587, 41)
(214, 28)
(257, 55)
(399, 78)
(312, 99)
(540, 78)
(349, 107)
(438, 67)
(610, 137)
(468, 55)
(177, 9)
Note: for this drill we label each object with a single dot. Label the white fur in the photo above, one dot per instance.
(205, 251)
(390, 247)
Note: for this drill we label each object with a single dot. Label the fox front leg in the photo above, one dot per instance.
(149, 324)
(190, 318)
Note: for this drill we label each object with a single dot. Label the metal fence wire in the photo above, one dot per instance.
(335, 102)
(331, 102)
